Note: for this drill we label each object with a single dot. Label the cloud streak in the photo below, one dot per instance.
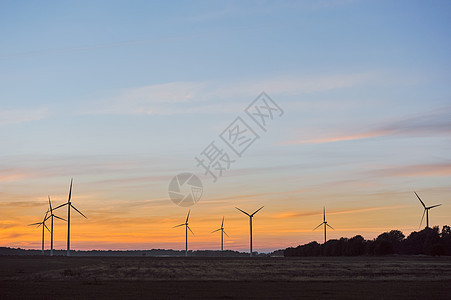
(415, 171)
(431, 123)
(215, 97)
(22, 115)
(333, 212)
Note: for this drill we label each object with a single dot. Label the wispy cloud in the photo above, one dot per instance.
(215, 97)
(14, 175)
(245, 9)
(94, 47)
(351, 137)
(24, 203)
(431, 123)
(8, 224)
(22, 167)
(334, 212)
(22, 115)
(415, 170)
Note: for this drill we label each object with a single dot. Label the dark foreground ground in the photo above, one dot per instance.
(227, 278)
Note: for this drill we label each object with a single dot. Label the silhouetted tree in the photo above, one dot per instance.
(383, 247)
(446, 231)
(422, 241)
(388, 243)
(334, 247)
(436, 249)
(445, 237)
(289, 252)
(312, 249)
(427, 241)
(355, 246)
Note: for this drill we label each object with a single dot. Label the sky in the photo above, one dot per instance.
(122, 96)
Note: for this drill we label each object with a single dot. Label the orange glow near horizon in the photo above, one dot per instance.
(275, 227)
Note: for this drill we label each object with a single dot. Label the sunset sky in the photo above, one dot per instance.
(122, 96)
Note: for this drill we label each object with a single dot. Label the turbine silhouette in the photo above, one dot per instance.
(426, 210)
(325, 224)
(222, 234)
(250, 225)
(186, 232)
(52, 215)
(43, 229)
(69, 206)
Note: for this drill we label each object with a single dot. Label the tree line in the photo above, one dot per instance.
(429, 241)
(139, 253)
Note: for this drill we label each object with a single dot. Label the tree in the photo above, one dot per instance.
(388, 243)
(427, 241)
(356, 246)
(383, 247)
(421, 242)
(445, 237)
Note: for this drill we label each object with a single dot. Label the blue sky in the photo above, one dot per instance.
(123, 95)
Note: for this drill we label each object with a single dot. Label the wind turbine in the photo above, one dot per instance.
(222, 234)
(250, 224)
(43, 228)
(325, 224)
(52, 215)
(69, 206)
(186, 232)
(426, 210)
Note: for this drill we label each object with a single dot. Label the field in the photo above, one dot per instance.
(395, 277)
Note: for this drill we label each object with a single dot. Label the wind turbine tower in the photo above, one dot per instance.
(325, 224)
(43, 229)
(52, 215)
(250, 225)
(69, 206)
(186, 232)
(222, 234)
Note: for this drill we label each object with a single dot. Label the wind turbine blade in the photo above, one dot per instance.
(70, 190)
(324, 214)
(190, 229)
(226, 234)
(216, 230)
(187, 217)
(424, 211)
(78, 211)
(60, 206)
(243, 211)
(179, 225)
(34, 224)
(222, 224)
(422, 203)
(257, 211)
(433, 206)
(329, 226)
(318, 226)
(60, 218)
(47, 228)
(50, 204)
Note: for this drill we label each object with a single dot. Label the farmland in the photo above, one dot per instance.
(391, 277)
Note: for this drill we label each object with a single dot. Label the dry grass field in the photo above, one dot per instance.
(393, 277)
